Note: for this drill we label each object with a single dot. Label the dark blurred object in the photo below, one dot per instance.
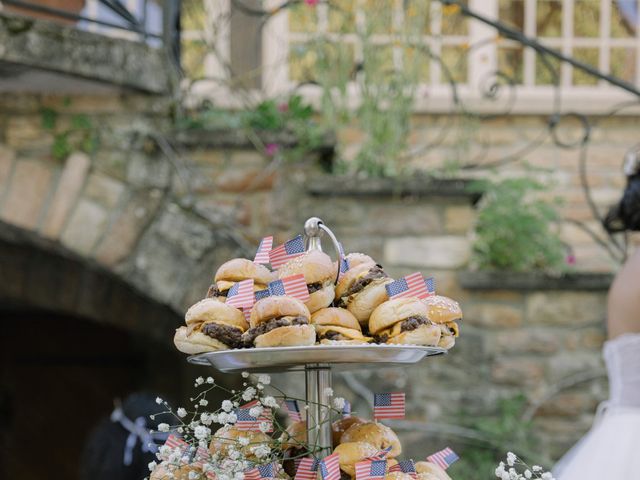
(625, 216)
(115, 450)
(31, 10)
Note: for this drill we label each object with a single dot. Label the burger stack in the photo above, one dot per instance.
(356, 310)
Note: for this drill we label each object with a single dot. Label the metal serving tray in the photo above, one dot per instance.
(339, 357)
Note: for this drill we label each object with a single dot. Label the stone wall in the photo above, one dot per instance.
(162, 215)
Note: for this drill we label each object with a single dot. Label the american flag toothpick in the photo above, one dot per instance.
(241, 294)
(444, 458)
(371, 470)
(262, 255)
(307, 469)
(388, 405)
(293, 286)
(410, 286)
(285, 252)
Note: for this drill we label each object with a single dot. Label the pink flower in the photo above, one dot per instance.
(570, 259)
(311, 3)
(283, 108)
(271, 149)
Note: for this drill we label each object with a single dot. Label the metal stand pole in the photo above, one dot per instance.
(318, 380)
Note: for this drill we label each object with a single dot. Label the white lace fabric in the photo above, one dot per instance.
(622, 356)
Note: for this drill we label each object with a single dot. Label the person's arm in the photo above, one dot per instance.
(623, 309)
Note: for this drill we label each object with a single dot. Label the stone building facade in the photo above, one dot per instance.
(157, 210)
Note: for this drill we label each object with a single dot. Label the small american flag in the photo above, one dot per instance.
(343, 263)
(260, 472)
(431, 285)
(410, 286)
(346, 410)
(293, 286)
(405, 466)
(330, 467)
(388, 405)
(247, 422)
(241, 294)
(285, 252)
(371, 469)
(444, 458)
(201, 457)
(382, 454)
(307, 469)
(174, 441)
(262, 255)
(293, 410)
(247, 314)
(260, 294)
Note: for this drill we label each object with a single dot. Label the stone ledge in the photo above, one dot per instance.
(534, 281)
(420, 186)
(31, 48)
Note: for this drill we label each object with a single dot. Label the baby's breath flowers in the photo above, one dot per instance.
(207, 446)
(516, 469)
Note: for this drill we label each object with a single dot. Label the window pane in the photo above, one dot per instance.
(453, 23)
(325, 62)
(549, 18)
(586, 18)
(193, 56)
(379, 14)
(623, 63)
(589, 56)
(623, 19)
(302, 60)
(417, 16)
(416, 64)
(342, 16)
(547, 73)
(378, 62)
(512, 12)
(510, 62)
(455, 60)
(303, 18)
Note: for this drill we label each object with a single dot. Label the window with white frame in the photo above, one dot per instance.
(281, 53)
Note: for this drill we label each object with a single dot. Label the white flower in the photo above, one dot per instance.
(238, 476)
(264, 427)
(248, 394)
(193, 425)
(210, 380)
(199, 381)
(152, 466)
(338, 403)
(205, 418)
(256, 411)
(245, 374)
(227, 406)
(328, 392)
(158, 400)
(269, 402)
(261, 451)
(244, 441)
(511, 458)
(203, 402)
(536, 468)
(500, 470)
(505, 476)
(260, 386)
(163, 427)
(233, 454)
(527, 474)
(547, 476)
(201, 432)
(182, 412)
(266, 379)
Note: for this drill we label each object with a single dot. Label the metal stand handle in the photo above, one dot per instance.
(318, 381)
(314, 228)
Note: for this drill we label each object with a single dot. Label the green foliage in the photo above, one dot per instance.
(79, 136)
(505, 431)
(515, 228)
(293, 117)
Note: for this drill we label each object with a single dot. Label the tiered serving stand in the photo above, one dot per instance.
(317, 361)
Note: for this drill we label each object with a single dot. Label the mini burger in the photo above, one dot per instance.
(319, 275)
(354, 260)
(211, 325)
(279, 322)
(404, 321)
(337, 326)
(230, 438)
(361, 289)
(353, 452)
(446, 313)
(376, 434)
(340, 426)
(430, 471)
(235, 271)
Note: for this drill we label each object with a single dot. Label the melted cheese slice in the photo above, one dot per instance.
(347, 333)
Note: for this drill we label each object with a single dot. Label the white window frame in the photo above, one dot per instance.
(436, 97)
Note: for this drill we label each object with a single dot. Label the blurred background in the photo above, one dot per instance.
(145, 142)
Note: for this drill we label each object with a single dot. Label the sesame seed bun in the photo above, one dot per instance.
(212, 310)
(376, 434)
(442, 309)
(275, 307)
(239, 269)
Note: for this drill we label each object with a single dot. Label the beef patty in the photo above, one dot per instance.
(408, 324)
(226, 334)
(251, 334)
(214, 291)
(373, 274)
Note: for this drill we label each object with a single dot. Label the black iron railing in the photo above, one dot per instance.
(156, 23)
